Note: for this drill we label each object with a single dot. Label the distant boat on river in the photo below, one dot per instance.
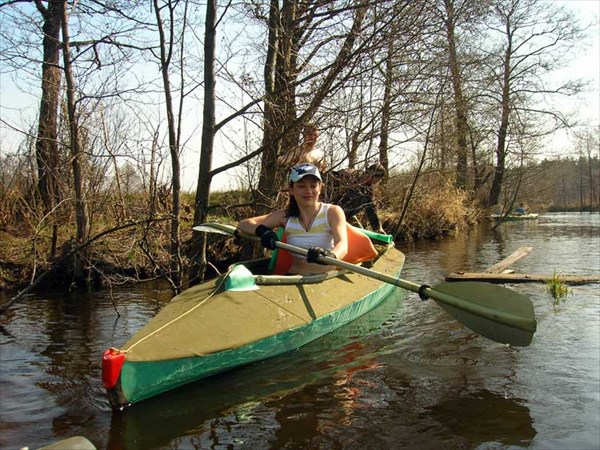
(514, 217)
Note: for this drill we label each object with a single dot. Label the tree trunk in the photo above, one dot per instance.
(47, 152)
(386, 109)
(166, 52)
(280, 106)
(500, 167)
(74, 144)
(206, 151)
(354, 145)
(281, 123)
(459, 101)
(588, 146)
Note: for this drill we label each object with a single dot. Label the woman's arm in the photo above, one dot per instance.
(337, 221)
(272, 220)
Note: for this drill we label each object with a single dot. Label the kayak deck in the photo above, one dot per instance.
(208, 329)
(204, 320)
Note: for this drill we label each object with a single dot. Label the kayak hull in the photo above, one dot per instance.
(292, 316)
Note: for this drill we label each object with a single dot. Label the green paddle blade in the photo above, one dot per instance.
(511, 317)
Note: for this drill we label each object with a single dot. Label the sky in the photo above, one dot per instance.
(586, 65)
(18, 108)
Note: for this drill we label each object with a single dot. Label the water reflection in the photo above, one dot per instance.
(567, 244)
(485, 417)
(50, 363)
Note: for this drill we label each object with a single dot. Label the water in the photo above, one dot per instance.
(404, 376)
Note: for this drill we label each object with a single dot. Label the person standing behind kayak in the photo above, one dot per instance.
(354, 191)
(306, 152)
(309, 223)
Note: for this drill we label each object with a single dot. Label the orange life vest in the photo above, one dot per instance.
(360, 249)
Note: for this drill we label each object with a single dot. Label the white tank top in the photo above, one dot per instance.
(319, 234)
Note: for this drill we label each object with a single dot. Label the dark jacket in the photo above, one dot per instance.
(353, 191)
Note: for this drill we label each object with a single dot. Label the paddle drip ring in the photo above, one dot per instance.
(421, 291)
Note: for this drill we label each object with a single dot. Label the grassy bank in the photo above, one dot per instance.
(136, 249)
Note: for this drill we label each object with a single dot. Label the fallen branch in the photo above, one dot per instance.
(519, 253)
(498, 273)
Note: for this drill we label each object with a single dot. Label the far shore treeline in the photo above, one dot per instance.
(459, 101)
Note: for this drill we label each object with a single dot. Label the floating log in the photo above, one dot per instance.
(519, 253)
(521, 278)
(498, 273)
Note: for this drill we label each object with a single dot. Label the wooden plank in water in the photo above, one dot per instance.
(519, 253)
(521, 278)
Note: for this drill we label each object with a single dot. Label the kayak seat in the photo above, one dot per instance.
(360, 249)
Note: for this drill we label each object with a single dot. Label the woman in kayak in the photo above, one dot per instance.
(309, 223)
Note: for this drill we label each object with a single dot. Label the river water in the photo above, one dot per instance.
(404, 376)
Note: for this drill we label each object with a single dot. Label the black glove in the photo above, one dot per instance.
(268, 237)
(315, 252)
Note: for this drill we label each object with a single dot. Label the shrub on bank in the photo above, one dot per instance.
(435, 207)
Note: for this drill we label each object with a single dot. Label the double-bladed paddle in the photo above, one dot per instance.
(495, 312)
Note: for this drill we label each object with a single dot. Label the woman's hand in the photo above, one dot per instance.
(314, 253)
(268, 237)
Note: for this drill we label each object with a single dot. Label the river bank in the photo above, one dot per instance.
(140, 252)
(138, 249)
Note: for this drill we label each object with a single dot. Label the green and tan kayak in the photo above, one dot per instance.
(236, 319)
(514, 217)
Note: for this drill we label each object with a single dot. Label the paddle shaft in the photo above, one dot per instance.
(497, 313)
(473, 308)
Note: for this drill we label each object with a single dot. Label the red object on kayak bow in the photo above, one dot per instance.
(112, 362)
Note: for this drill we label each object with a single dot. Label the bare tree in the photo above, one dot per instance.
(208, 135)
(291, 28)
(402, 50)
(588, 142)
(460, 108)
(536, 35)
(77, 155)
(167, 43)
(47, 151)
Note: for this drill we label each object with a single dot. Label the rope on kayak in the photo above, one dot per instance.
(214, 291)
